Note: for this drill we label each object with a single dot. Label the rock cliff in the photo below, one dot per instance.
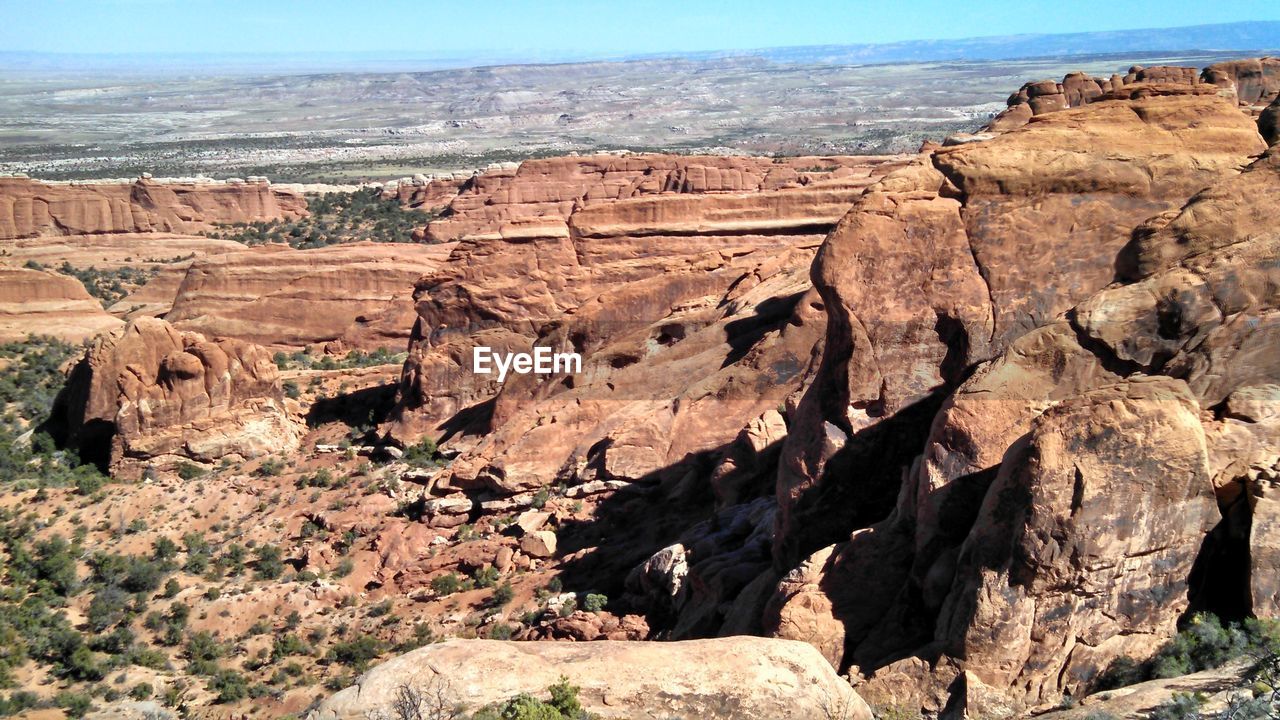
(1252, 83)
(38, 302)
(1068, 494)
(356, 294)
(29, 208)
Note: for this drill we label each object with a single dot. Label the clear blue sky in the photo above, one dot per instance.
(570, 27)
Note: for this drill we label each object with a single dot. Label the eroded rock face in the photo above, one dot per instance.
(733, 677)
(683, 282)
(1009, 564)
(1063, 569)
(1269, 122)
(943, 265)
(1252, 83)
(619, 258)
(151, 393)
(29, 208)
(357, 294)
(38, 302)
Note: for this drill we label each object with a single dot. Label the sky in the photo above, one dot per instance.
(563, 28)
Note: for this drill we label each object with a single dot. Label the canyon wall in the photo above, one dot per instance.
(1058, 407)
(30, 208)
(38, 302)
(355, 295)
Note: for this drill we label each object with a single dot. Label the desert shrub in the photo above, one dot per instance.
(18, 701)
(564, 705)
(228, 685)
(107, 608)
(422, 454)
(189, 471)
(486, 577)
(75, 704)
(286, 645)
(569, 607)
(164, 549)
(1182, 706)
(171, 588)
(202, 646)
(503, 594)
(446, 584)
(333, 218)
(357, 652)
(269, 468)
(54, 565)
(232, 559)
(1204, 643)
(540, 498)
(141, 691)
(110, 285)
(268, 562)
(595, 602)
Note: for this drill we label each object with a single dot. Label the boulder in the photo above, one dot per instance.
(150, 393)
(730, 677)
(539, 544)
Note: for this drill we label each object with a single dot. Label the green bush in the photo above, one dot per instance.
(141, 691)
(189, 471)
(595, 602)
(228, 685)
(333, 218)
(446, 584)
(107, 608)
(1203, 644)
(268, 562)
(1182, 706)
(486, 577)
(503, 595)
(75, 704)
(564, 705)
(286, 645)
(358, 652)
(422, 454)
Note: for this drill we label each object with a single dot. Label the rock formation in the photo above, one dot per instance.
(30, 208)
(548, 249)
(1052, 516)
(153, 394)
(1253, 83)
(1269, 123)
(38, 302)
(738, 677)
(357, 294)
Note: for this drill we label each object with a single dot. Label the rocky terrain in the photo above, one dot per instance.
(967, 432)
(349, 126)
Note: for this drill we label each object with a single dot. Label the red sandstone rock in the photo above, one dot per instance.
(354, 293)
(153, 394)
(39, 302)
(29, 208)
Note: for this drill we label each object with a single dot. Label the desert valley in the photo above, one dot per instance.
(967, 415)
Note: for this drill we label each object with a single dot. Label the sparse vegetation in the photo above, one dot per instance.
(334, 218)
(1203, 644)
(110, 285)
